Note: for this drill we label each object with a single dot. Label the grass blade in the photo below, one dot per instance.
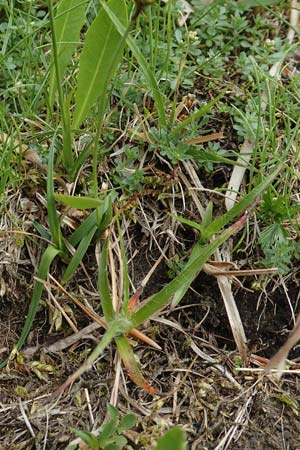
(179, 285)
(103, 286)
(78, 256)
(197, 115)
(51, 207)
(83, 229)
(248, 199)
(99, 59)
(124, 272)
(143, 63)
(182, 281)
(210, 229)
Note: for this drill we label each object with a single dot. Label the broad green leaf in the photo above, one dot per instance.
(47, 258)
(79, 202)
(173, 439)
(108, 429)
(69, 19)
(78, 255)
(116, 443)
(101, 54)
(112, 411)
(112, 447)
(127, 422)
(143, 63)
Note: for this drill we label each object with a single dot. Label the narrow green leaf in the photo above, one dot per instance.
(69, 19)
(173, 439)
(103, 286)
(200, 255)
(116, 328)
(107, 211)
(190, 223)
(132, 367)
(126, 287)
(78, 255)
(143, 63)
(198, 154)
(79, 202)
(99, 59)
(207, 216)
(83, 229)
(47, 258)
(180, 283)
(67, 135)
(246, 201)
(197, 114)
(51, 207)
(212, 228)
(71, 447)
(247, 4)
(42, 230)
